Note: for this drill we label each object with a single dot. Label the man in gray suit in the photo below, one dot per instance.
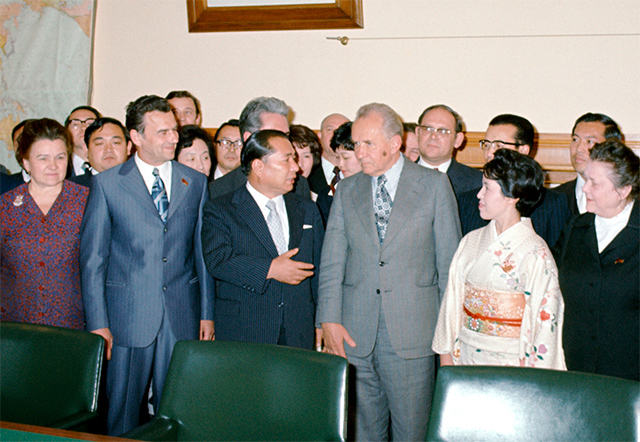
(393, 213)
(144, 282)
(259, 114)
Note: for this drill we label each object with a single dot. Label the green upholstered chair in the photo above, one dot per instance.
(251, 392)
(474, 403)
(49, 376)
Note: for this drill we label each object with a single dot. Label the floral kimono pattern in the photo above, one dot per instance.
(502, 305)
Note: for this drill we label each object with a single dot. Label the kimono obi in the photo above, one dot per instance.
(492, 312)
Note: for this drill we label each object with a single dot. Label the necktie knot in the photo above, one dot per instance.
(335, 179)
(382, 180)
(86, 167)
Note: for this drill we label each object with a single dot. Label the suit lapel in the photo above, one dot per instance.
(179, 185)
(627, 239)
(404, 203)
(296, 217)
(362, 198)
(134, 185)
(249, 211)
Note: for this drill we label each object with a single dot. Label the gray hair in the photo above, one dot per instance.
(392, 122)
(250, 117)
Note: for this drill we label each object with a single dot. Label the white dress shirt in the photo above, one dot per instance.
(441, 167)
(580, 196)
(146, 170)
(393, 177)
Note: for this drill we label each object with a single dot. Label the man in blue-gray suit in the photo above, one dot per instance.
(262, 243)
(144, 284)
(391, 235)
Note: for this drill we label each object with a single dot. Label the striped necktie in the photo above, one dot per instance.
(159, 196)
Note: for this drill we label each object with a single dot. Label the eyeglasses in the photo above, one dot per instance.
(230, 144)
(440, 132)
(497, 144)
(77, 124)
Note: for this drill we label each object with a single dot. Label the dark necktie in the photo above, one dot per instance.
(382, 207)
(335, 179)
(86, 167)
(159, 196)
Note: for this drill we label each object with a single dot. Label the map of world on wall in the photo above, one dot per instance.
(45, 63)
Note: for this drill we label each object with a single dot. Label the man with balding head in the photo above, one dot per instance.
(327, 173)
(390, 238)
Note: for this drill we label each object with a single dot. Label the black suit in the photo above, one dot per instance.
(601, 332)
(10, 182)
(317, 180)
(83, 180)
(569, 189)
(463, 178)
(236, 179)
(238, 251)
(548, 218)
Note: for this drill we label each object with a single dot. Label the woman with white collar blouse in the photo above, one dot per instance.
(597, 257)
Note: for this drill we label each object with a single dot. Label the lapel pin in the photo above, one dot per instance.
(18, 201)
(184, 182)
(619, 261)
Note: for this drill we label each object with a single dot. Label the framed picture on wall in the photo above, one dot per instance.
(272, 15)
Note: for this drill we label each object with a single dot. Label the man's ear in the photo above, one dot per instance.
(246, 135)
(198, 119)
(128, 148)
(135, 136)
(524, 149)
(257, 167)
(458, 140)
(396, 143)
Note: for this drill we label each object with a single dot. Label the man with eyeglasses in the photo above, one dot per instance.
(228, 147)
(513, 132)
(77, 122)
(440, 132)
(259, 114)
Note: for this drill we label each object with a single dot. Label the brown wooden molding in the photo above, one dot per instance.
(341, 14)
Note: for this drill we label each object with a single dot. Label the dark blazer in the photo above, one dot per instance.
(238, 251)
(135, 269)
(548, 218)
(236, 179)
(569, 189)
(317, 180)
(601, 332)
(83, 180)
(463, 178)
(10, 182)
(324, 202)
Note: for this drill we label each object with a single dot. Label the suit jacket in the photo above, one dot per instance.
(569, 189)
(323, 201)
(236, 179)
(406, 276)
(238, 250)
(317, 180)
(134, 268)
(548, 217)
(463, 178)
(83, 180)
(10, 182)
(601, 291)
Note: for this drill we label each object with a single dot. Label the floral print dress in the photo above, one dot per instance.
(502, 305)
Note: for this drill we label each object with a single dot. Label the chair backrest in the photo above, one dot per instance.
(47, 373)
(529, 404)
(239, 391)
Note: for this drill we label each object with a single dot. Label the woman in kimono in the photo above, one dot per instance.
(502, 305)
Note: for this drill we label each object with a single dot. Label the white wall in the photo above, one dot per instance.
(144, 47)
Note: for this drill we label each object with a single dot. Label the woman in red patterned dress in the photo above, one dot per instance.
(40, 233)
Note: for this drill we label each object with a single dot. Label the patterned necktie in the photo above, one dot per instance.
(382, 207)
(86, 167)
(335, 179)
(274, 222)
(159, 196)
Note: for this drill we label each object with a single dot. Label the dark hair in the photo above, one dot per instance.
(611, 129)
(519, 176)
(42, 129)
(99, 124)
(187, 134)
(525, 132)
(624, 163)
(88, 108)
(257, 147)
(233, 123)
(184, 94)
(305, 137)
(145, 104)
(342, 137)
(250, 116)
(18, 126)
(456, 115)
(409, 127)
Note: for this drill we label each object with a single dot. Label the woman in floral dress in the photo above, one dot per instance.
(503, 305)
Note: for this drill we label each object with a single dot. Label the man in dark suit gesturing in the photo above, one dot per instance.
(262, 243)
(144, 283)
(390, 238)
